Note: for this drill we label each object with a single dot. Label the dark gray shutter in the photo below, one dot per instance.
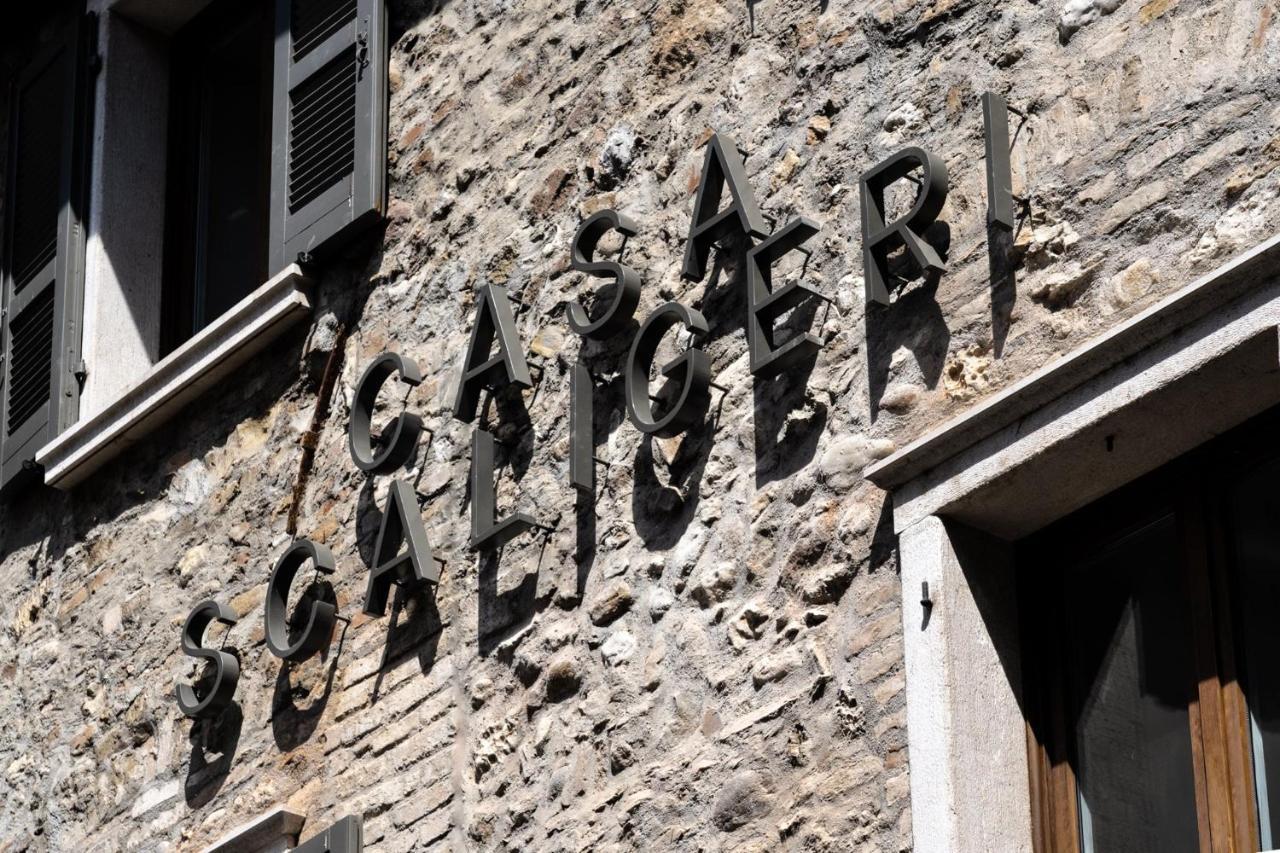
(329, 125)
(43, 258)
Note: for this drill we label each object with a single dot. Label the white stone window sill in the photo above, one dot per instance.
(176, 380)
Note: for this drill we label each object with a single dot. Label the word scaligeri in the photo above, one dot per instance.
(494, 360)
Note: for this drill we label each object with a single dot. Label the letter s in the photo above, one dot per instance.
(226, 668)
(626, 295)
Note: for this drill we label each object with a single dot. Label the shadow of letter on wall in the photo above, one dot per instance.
(1004, 284)
(213, 748)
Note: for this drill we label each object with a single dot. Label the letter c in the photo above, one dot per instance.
(275, 615)
(398, 448)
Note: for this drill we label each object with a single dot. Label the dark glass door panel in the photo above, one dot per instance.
(1131, 677)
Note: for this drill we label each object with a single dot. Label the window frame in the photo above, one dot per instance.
(1194, 490)
(133, 386)
(186, 238)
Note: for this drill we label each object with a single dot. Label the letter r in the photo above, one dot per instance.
(879, 238)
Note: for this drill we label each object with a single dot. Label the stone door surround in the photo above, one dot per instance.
(1200, 361)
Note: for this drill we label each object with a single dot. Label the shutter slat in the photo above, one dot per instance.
(321, 156)
(318, 85)
(316, 20)
(307, 118)
(322, 127)
(25, 275)
(322, 130)
(328, 172)
(326, 139)
(333, 101)
(38, 148)
(32, 347)
(46, 276)
(338, 164)
(329, 130)
(310, 13)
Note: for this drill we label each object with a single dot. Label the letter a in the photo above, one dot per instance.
(481, 371)
(710, 225)
(401, 523)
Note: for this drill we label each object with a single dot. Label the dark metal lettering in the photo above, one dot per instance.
(626, 294)
(487, 533)
(226, 668)
(401, 525)
(582, 472)
(879, 238)
(766, 305)
(710, 225)
(691, 370)
(398, 445)
(321, 615)
(481, 371)
(995, 121)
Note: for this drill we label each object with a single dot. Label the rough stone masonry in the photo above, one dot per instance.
(711, 657)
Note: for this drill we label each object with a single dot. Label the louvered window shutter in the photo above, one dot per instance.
(43, 258)
(329, 126)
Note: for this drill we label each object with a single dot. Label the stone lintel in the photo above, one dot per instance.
(1198, 362)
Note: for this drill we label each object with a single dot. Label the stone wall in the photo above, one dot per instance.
(710, 657)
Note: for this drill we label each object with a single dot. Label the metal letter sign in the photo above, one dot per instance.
(723, 164)
(880, 238)
(995, 121)
(692, 370)
(226, 669)
(345, 836)
(320, 617)
(626, 294)
(495, 359)
(766, 305)
(401, 523)
(398, 446)
(480, 371)
(582, 473)
(487, 532)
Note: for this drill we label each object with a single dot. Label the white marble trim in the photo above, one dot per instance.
(178, 379)
(273, 831)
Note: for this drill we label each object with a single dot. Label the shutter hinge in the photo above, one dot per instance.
(362, 47)
(81, 372)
